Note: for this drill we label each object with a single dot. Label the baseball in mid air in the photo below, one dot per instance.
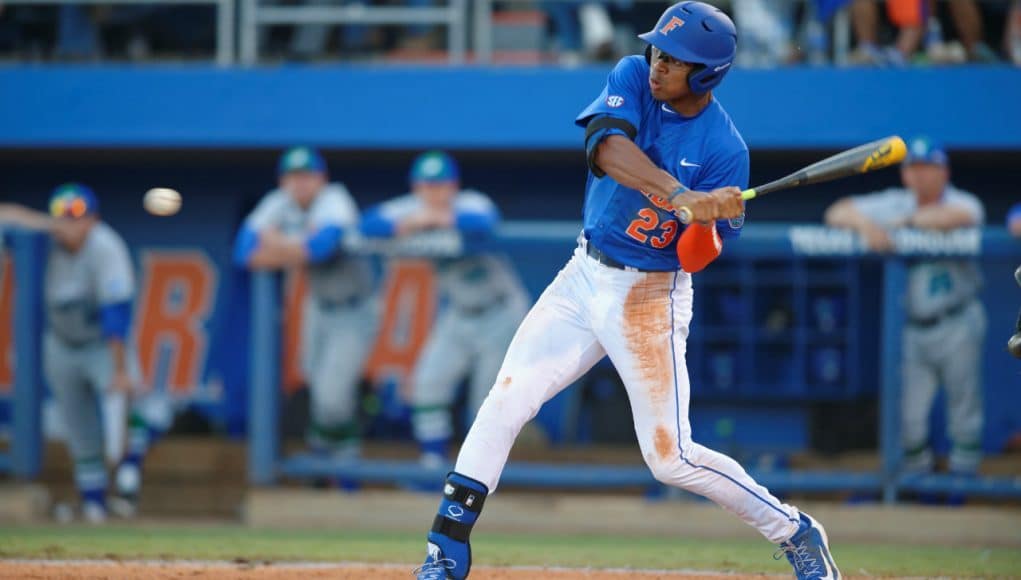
(162, 201)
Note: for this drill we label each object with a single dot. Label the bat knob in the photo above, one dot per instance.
(684, 214)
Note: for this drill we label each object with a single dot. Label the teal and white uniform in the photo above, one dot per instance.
(339, 318)
(943, 337)
(88, 297)
(484, 304)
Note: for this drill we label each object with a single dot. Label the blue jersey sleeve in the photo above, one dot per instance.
(245, 244)
(623, 95)
(115, 319)
(323, 243)
(729, 171)
(475, 223)
(376, 224)
(475, 214)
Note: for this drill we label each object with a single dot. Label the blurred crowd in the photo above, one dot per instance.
(569, 32)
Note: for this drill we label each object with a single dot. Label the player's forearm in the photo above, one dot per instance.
(843, 214)
(622, 160)
(270, 256)
(12, 213)
(120, 364)
(408, 226)
(942, 218)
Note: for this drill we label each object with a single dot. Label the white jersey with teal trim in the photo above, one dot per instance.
(934, 285)
(79, 284)
(339, 278)
(475, 279)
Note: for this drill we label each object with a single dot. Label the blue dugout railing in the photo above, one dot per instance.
(25, 458)
(759, 242)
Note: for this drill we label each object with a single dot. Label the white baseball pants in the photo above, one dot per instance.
(639, 319)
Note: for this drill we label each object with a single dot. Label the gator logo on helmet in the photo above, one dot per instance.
(675, 22)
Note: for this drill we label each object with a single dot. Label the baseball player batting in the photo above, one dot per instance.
(302, 224)
(485, 298)
(656, 139)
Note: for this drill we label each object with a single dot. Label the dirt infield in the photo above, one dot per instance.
(113, 570)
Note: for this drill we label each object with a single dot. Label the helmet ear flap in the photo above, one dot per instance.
(697, 79)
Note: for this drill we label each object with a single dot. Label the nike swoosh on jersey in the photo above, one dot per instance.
(685, 163)
(721, 67)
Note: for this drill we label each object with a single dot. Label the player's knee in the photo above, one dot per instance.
(661, 470)
(665, 467)
(430, 394)
(330, 413)
(673, 466)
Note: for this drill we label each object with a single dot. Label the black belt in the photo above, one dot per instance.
(598, 255)
(482, 308)
(934, 320)
(349, 302)
(77, 344)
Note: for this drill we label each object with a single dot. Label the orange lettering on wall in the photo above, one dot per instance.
(294, 304)
(7, 326)
(178, 288)
(409, 303)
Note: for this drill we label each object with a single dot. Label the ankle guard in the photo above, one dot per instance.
(462, 502)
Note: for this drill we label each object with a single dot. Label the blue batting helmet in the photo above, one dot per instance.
(697, 33)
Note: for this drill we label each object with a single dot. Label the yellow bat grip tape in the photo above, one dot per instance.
(748, 194)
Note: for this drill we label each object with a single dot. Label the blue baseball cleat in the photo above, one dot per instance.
(808, 551)
(435, 567)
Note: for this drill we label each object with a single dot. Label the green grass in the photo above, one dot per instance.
(236, 542)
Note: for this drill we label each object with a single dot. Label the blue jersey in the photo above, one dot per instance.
(703, 152)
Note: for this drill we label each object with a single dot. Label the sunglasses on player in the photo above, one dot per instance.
(68, 205)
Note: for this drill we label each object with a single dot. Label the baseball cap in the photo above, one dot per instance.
(924, 150)
(73, 200)
(301, 159)
(434, 166)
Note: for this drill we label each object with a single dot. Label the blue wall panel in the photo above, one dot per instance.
(501, 108)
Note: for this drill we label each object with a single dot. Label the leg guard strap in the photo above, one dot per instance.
(452, 529)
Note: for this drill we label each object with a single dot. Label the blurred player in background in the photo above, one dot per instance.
(89, 288)
(302, 224)
(657, 141)
(946, 322)
(485, 298)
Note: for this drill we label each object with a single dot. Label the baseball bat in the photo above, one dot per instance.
(862, 159)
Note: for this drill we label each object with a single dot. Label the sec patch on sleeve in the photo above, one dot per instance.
(614, 101)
